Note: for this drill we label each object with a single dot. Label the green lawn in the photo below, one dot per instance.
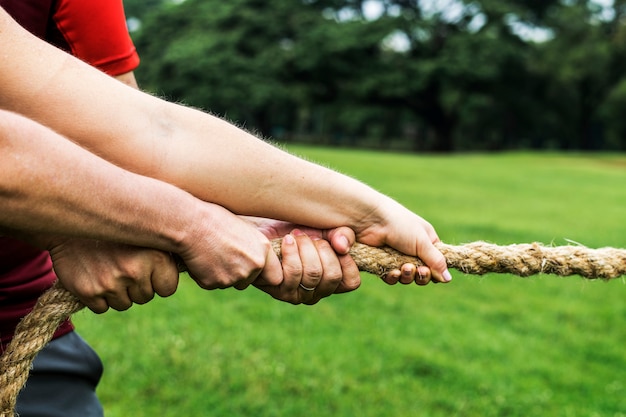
(481, 346)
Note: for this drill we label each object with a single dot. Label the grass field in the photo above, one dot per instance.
(480, 346)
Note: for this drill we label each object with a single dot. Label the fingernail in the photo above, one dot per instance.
(344, 241)
(447, 277)
(289, 240)
(297, 232)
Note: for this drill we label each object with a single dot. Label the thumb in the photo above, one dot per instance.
(435, 260)
(341, 239)
(272, 273)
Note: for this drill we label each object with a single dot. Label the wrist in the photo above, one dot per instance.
(372, 229)
(201, 220)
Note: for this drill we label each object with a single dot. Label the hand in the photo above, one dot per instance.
(329, 246)
(105, 274)
(222, 250)
(312, 270)
(401, 229)
(342, 239)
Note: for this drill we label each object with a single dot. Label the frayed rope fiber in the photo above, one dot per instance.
(477, 258)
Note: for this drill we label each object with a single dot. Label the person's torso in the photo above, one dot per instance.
(25, 273)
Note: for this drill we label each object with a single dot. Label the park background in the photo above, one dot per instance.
(495, 120)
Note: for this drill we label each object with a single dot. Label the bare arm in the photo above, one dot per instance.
(202, 154)
(52, 187)
(128, 78)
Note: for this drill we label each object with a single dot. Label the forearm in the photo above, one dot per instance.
(217, 161)
(51, 186)
(210, 158)
(201, 154)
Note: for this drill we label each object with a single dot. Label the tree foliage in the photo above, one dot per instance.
(470, 76)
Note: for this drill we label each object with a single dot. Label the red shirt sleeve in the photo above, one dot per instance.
(96, 32)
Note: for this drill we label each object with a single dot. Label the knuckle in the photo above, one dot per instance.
(334, 277)
(205, 285)
(162, 258)
(314, 273)
(225, 282)
(292, 270)
(106, 285)
(323, 244)
(258, 263)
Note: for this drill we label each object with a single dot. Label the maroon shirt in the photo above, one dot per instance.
(94, 31)
(25, 273)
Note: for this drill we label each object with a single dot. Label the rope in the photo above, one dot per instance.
(477, 258)
(32, 334)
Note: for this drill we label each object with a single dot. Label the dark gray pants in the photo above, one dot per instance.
(63, 381)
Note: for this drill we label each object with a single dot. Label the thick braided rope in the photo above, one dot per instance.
(31, 335)
(476, 258)
(523, 260)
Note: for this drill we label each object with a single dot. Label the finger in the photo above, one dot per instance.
(271, 274)
(243, 284)
(435, 261)
(97, 305)
(142, 292)
(351, 277)
(88, 297)
(165, 278)
(392, 277)
(119, 301)
(422, 275)
(341, 239)
(140, 288)
(407, 273)
(114, 291)
(312, 269)
(291, 264)
(331, 269)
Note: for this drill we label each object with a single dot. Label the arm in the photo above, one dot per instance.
(128, 78)
(200, 153)
(52, 187)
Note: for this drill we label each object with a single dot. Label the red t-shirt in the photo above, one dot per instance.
(94, 31)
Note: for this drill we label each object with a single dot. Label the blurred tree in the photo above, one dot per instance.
(579, 67)
(611, 112)
(227, 57)
(281, 64)
(138, 9)
(474, 75)
(455, 68)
